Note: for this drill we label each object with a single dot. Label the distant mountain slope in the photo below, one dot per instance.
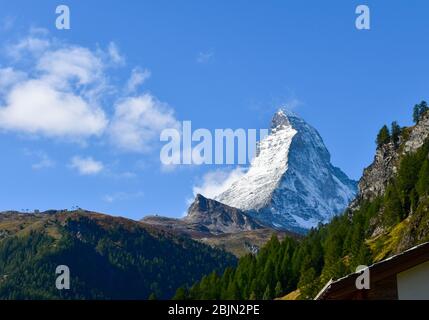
(291, 183)
(219, 225)
(208, 216)
(108, 257)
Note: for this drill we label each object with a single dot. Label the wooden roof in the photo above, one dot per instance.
(345, 286)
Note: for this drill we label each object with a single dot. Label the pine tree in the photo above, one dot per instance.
(364, 256)
(414, 200)
(408, 175)
(252, 296)
(423, 182)
(396, 132)
(233, 293)
(181, 294)
(393, 211)
(357, 238)
(255, 288)
(269, 277)
(383, 136)
(267, 293)
(423, 107)
(308, 283)
(278, 290)
(416, 113)
(419, 110)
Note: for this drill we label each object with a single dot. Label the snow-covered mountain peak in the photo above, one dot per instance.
(254, 189)
(291, 183)
(280, 120)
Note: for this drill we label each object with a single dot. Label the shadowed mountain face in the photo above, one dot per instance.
(291, 183)
(218, 217)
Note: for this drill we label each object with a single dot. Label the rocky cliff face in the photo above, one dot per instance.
(219, 218)
(376, 176)
(386, 161)
(417, 135)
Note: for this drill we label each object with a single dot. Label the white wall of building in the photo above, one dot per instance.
(413, 284)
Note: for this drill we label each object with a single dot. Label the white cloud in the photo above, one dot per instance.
(36, 107)
(57, 95)
(31, 44)
(138, 121)
(7, 23)
(56, 90)
(215, 182)
(114, 54)
(205, 57)
(137, 78)
(292, 104)
(122, 175)
(121, 196)
(61, 67)
(43, 161)
(9, 77)
(39, 31)
(86, 165)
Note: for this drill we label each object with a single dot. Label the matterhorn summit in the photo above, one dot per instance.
(291, 183)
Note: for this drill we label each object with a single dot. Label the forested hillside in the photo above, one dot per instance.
(381, 222)
(108, 258)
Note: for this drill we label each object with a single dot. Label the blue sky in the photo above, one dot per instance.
(220, 64)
